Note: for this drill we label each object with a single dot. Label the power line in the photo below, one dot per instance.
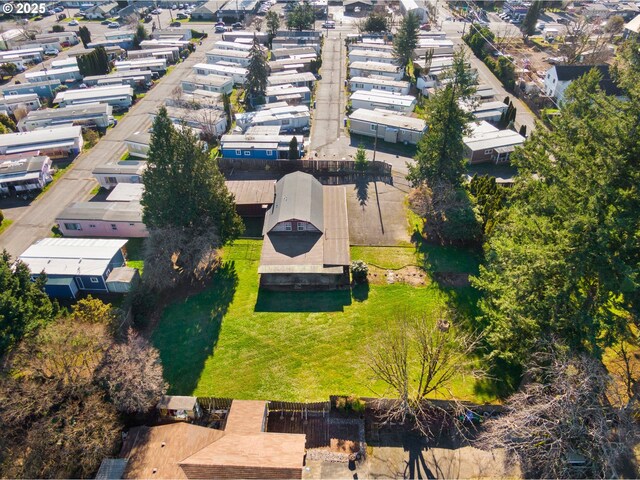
(495, 47)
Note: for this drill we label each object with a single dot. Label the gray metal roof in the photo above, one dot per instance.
(23, 165)
(70, 111)
(103, 211)
(298, 196)
(112, 469)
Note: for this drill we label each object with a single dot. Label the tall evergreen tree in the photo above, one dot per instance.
(293, 149)
(528, 26)
(564, 264)
(24, 307)
(440, 151)
(85, 36)
(257, 73)
(406, 39)
(183, 186)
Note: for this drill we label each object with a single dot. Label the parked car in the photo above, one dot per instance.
(329, 24)
(58, 9)
(219, 29)
(175, 24)
(62, 16)
(174, 7)
(182, 16)
(220, 24)
(51, 51)
(147, 18)
(113, 25)
(237, 26)
(425, 26)
(73, 23)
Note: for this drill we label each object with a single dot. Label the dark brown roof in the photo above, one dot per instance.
(252, 192)
(242, 450)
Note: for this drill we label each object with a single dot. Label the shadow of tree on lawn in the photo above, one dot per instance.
(188, 331)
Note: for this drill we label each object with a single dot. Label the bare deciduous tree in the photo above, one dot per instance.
(571, 424)
(416, 357)
(132, 375)
(64, 351)
(584, 36)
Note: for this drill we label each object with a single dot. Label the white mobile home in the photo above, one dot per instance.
(138, 144)
(54, 143)
(487, 144)
(210, 83)
(373, 99)
(379, 83)
(304, 79)
(10, 103)
(153, 64)
(116, 96)
(371, 56)
(289, 118)
(129, 77)
(388, 126)
(367, 69)
(170, 54)
(290, 94)
(155, 44)
(67, 74)
(237, 74)
(111, 174)
(238, 57)
(24, 174)
(64, 63)
(240, 47)
(33, 55)
(91, 115)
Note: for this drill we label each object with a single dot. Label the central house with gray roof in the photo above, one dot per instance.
(306, 236)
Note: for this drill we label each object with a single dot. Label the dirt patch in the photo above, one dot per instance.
(411, 275)
(450, 279)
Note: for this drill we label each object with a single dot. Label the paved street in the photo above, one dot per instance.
(330, 95)
(76, 184)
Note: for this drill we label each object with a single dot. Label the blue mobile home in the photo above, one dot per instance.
(259, 146)
(74, 265)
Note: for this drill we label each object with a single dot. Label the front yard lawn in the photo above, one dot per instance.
(233, 340)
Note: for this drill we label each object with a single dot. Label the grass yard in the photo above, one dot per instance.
(5, 224)
(134, 253)
(232, 340)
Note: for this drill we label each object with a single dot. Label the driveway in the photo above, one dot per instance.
(35, 221)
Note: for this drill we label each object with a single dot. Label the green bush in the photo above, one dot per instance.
(359, 271)
(1, 217)
(356, 404)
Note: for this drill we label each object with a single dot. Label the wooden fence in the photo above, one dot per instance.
(315, 167)
(209, 404)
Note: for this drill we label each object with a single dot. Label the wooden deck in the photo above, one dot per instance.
(321, 431)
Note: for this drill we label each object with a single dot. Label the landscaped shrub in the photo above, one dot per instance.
(356, 404)
(359, 271)
(341, 403)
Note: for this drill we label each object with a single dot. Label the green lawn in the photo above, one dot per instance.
(233, 340)
(134, 253)
(5, 224)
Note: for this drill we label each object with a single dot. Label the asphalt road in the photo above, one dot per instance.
(330, 95)
(35, 221)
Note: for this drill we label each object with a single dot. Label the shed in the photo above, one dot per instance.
(179, 407)
(122, 279)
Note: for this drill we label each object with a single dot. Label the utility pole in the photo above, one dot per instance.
(375, 143)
